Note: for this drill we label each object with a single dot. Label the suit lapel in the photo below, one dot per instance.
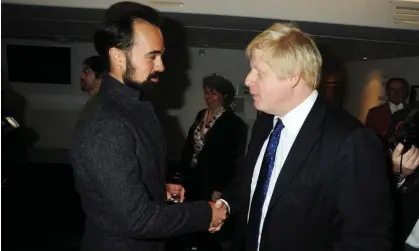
(300, 150)
(262, 131)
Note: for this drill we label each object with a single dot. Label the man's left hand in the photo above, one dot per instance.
(410, 160)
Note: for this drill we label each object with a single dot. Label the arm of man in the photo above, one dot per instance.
(229, 155)
(111, 164)
(233, 195)
(363, 194)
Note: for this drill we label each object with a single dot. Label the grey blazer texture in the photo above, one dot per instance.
(119, 162)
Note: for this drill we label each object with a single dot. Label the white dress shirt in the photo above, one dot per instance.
(413, 239)
(293, 122)
(394, 108)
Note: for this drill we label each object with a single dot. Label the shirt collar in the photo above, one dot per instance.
(399, 106)
(112, 86)
(295, 118)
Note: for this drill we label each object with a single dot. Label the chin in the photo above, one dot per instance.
(256, 103)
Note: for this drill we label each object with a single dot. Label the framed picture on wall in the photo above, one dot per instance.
(414, 94)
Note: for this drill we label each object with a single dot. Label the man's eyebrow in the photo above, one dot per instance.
(154, 53)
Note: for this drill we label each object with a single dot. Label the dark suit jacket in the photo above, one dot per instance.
(119, 161)
(379, 119)
(333, 192)
(224, 147)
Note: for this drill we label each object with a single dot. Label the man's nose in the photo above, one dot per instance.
(159, 66)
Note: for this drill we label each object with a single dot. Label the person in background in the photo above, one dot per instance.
(407, 177)
(91, 75)
(214, 146)
(119, 152)
(379, 117)
(314, 178)
(407, 198)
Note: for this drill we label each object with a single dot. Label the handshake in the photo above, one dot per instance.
(219, 215)
(219, 209)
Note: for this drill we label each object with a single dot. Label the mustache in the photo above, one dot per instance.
(154, 75)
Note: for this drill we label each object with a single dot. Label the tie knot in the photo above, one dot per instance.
(278, 127)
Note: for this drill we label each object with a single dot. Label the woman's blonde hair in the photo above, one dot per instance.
(289, 51)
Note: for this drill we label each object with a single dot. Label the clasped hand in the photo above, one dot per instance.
(219, 215)
(219, 209)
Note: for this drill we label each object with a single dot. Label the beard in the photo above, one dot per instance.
(128, 78)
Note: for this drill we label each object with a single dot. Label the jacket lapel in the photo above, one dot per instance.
(300, 150)
(259, 134)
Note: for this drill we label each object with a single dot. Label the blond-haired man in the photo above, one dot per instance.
(314, 178)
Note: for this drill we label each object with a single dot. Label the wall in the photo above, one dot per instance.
(52, 110)
(374, 13)
(366, 78)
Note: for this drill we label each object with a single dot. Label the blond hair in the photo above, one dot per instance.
(289, 51)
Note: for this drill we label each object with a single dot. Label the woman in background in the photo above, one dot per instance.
(216, 142)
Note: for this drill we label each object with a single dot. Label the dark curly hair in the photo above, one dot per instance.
(117, 30)
(95, 64)
(221, 85)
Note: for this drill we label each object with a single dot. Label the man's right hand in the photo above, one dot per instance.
(219, 215)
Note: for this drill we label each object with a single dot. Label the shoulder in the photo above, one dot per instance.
(341, 120)
(339, 126)
(100, 116)
(232, 117)
(379, 108)
(201, 114)
(401, 115)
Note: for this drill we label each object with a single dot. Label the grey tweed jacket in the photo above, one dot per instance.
(119, 162)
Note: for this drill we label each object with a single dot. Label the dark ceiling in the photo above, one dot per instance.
(343, 42)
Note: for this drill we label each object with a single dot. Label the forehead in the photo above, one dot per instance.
(147, 37)
(207, 89)
(396, 84)
(258, 60)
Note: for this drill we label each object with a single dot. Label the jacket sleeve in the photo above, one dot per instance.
(109, 159)
(363, 194)
(234, 193)
(230, 154)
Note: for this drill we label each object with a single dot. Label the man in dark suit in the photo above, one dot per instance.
(379, 117)
(119, 152)
(315, 176)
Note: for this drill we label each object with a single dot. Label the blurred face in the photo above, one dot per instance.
(87, 79)
(269, 91)
(212, 98)
(144, 61)
(396, 92)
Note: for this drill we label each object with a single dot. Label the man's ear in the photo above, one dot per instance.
(117, 57)
(294, 80)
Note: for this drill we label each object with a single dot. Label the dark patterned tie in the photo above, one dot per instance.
(259, 195)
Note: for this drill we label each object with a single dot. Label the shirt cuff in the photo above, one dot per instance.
(400, 181)
(227, 205)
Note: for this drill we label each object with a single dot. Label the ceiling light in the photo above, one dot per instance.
(406, 12)
(167, 3)
(364, 58)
